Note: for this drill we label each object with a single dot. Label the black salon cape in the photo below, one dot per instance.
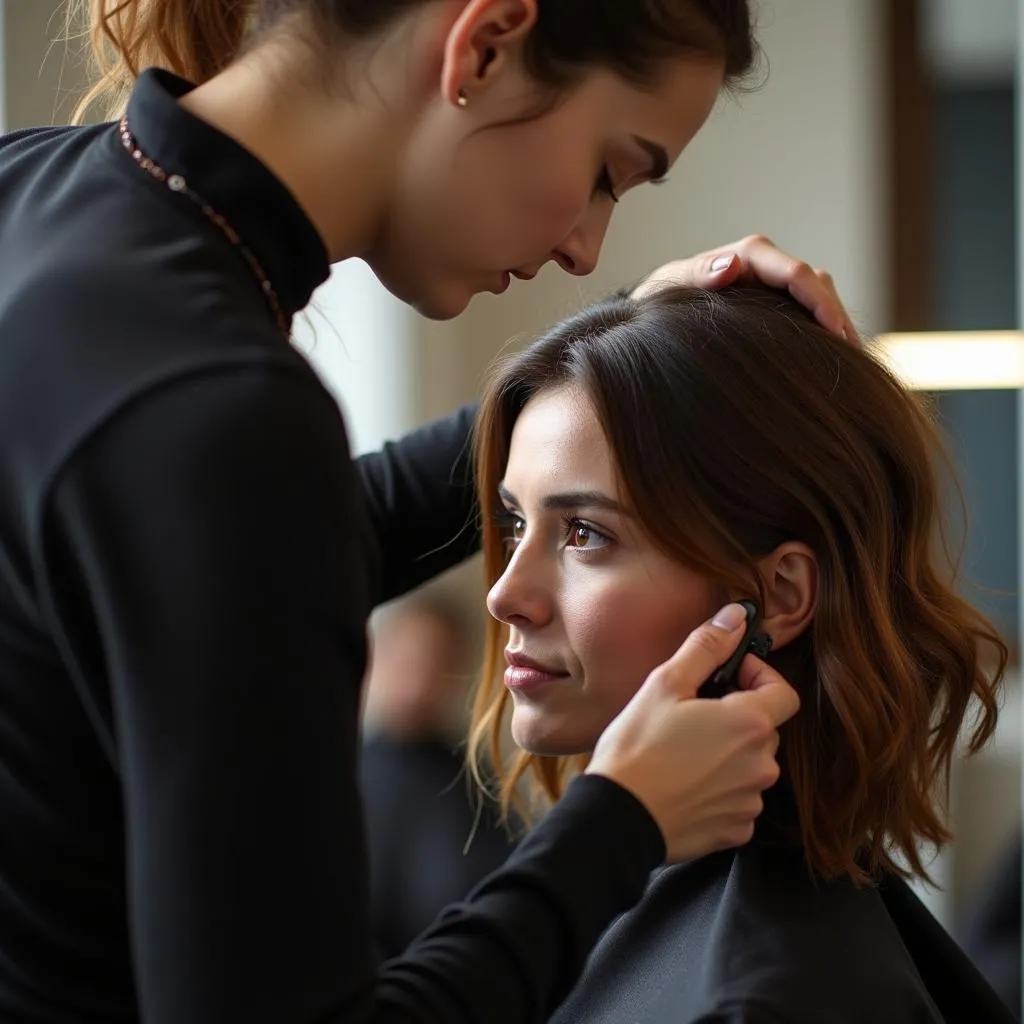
(188, 556)
(747, 938)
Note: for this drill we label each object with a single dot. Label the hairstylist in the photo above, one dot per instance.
(188, 554)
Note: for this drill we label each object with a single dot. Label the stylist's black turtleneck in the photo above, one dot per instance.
(188, 556)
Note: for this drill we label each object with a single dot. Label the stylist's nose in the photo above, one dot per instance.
(520, 598)
(579, 253)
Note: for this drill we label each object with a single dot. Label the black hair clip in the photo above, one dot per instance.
(760, 645)
(723, 680)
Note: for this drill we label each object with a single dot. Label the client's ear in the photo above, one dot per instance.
(790, 575)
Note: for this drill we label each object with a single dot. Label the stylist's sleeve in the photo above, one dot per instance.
(421, 500)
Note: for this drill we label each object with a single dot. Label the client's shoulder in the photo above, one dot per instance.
(750, 928)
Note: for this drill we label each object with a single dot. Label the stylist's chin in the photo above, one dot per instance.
(443, 303)
(435, 298)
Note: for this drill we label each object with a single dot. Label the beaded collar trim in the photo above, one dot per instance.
(177, 183)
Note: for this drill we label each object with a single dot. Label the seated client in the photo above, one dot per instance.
(639, 466)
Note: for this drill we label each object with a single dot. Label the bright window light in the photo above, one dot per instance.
(955, 361)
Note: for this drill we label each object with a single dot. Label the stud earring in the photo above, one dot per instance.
(463, 98)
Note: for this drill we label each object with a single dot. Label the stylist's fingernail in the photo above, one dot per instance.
(731, 617)
(720, 263)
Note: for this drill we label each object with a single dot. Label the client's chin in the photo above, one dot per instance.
(542, 735)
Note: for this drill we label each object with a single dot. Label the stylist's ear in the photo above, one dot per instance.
(790, 575)
(487, 36)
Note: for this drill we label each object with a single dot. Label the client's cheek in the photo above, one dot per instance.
(612, 639)
(626, 636)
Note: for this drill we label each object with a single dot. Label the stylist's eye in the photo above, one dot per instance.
(604, 185)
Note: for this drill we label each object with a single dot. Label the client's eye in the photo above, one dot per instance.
(582, 536)
(517, 527)
(512, 527)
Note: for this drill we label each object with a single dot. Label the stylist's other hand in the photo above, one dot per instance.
(756, 260)
(700, 766)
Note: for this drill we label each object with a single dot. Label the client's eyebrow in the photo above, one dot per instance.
(569, 500)
(659, 158)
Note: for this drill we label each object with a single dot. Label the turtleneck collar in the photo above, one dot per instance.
(256, 204)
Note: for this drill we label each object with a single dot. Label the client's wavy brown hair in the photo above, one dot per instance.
(737, 424)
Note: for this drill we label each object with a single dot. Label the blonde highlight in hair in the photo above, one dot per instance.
(193, 38)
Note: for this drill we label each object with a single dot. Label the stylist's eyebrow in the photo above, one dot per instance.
(659, 158)
(570, 500)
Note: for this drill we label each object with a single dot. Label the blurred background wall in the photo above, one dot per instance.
(881, 146)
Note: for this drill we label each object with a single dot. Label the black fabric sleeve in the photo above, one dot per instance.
(421, 498)
(200, 558)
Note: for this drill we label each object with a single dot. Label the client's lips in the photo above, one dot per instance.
(524, 673)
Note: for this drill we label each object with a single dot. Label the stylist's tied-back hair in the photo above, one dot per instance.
(199, 38)
(738, 424)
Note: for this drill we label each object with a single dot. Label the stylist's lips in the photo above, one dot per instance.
(524, 674)
(506, 279)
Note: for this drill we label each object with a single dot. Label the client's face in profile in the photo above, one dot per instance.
(591, 604)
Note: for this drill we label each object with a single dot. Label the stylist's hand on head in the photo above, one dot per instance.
(756, 260)
(700, 766)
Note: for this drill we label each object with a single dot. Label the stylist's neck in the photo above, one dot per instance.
(335, 148)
